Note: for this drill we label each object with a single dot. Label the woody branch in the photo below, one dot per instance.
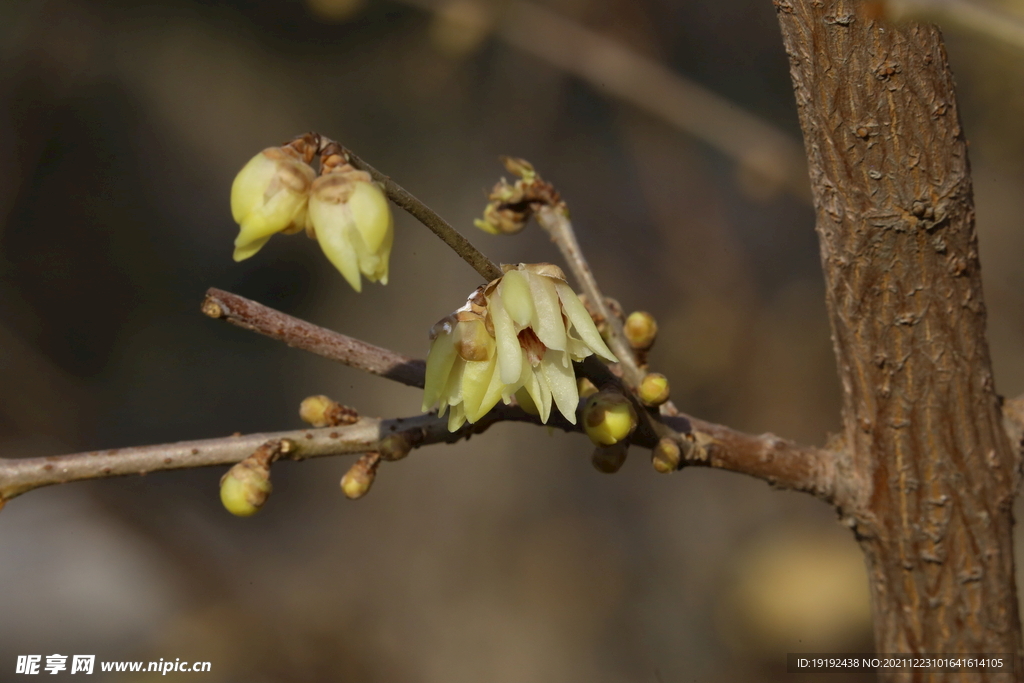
(778, 461)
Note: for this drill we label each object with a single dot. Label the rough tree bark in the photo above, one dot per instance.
(928, 474)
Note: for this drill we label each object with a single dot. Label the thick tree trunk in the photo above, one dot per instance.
(928, 476)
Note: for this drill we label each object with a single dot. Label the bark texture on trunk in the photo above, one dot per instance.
(928, 476)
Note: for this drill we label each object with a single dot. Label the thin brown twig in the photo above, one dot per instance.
(18, 476)
(424, 214)
(358, 354)
(557, 224)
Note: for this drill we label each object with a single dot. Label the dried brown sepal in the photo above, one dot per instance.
(321, 411)
(521, 168)
(510, 206)
(357, 481)
(609, 459)
(306, 145)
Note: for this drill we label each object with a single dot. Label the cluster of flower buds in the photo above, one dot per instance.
(509, 207)
(342, 208)
(518, 335)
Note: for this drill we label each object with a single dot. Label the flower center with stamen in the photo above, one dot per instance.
(533, 346)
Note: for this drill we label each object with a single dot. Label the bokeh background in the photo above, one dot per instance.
(507, 558)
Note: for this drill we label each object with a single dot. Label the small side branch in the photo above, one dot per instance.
(555, 221)
(487, 269)
(355, 353)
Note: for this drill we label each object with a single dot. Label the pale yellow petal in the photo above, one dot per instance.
(371, 214)
(456, 418)
(250, 185)
(581, 320)
(334, 232)
(493, 394)
(547, 319)
(510, 356)
(439, 365)
(562, 382)
(249, 249)
(538, 390)
(475, 381)
(515, 295)
(451, 395)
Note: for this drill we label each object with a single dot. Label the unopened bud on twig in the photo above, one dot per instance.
(395, 446)
(609, 459)
(246, 486)
(641, 329)
(608, 418)
(357, 481)
(666, 456)
(586, 388)
(654, 389)
(321, 411)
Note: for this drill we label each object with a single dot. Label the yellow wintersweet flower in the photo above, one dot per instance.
(268, 196)
(520, 333)
(351, 219)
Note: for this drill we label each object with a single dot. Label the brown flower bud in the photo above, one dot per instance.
(609, 459)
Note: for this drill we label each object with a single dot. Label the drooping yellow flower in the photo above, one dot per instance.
(268, 196)
(520, 333)
(351, 219)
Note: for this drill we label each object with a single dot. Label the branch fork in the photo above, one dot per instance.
(782, 463)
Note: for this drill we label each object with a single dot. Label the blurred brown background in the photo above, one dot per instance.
(506, 558)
